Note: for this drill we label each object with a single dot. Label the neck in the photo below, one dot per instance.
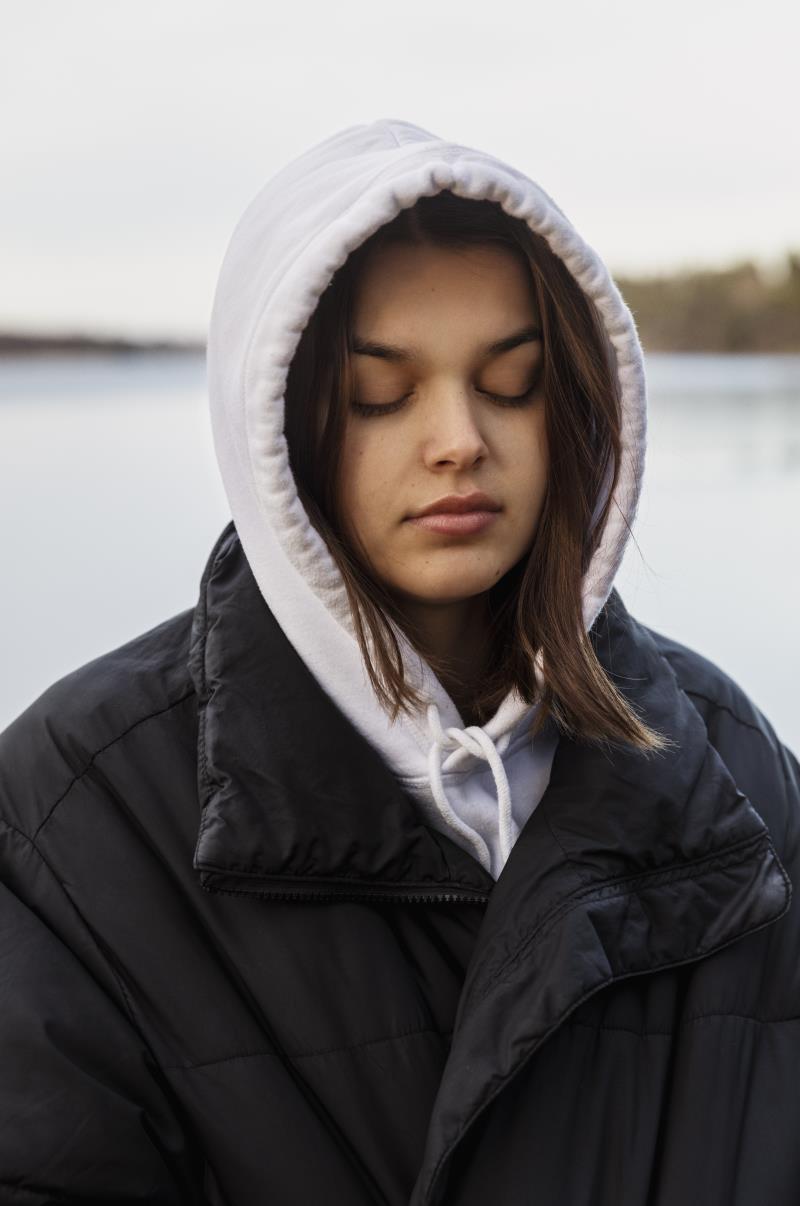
(457, 633)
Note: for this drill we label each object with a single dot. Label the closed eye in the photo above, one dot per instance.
(372, 410)
(515, 400)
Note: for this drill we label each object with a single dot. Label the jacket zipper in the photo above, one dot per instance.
(365, 894)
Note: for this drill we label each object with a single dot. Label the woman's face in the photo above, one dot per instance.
(424, 325)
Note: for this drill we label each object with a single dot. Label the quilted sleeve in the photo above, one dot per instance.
(84, 1117)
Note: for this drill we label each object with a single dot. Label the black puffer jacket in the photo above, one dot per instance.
(284, 988)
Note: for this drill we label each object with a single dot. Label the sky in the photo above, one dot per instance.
(135, 134)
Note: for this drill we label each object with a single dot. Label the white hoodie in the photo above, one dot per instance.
(480, 784)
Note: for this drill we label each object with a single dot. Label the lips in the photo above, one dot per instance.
(453, 523)
(457, 515)
(458, 504)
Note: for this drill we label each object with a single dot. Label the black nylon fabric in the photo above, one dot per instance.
(236, 966)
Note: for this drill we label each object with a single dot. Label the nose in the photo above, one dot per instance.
(453, 435)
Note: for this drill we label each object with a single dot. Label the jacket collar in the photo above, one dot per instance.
(632, 862)
(295, 802)
(293, 797)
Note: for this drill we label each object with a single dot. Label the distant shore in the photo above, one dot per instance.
(737, 309)
(34, 344)
(732, 310)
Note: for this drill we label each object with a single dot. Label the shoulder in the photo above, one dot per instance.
(763, 767)
(712, 689)
(54, 742)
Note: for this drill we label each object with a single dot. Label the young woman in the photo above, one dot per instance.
(407, 868)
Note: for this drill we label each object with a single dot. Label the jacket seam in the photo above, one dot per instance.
(721, 707)
(200, 623)
(127, 1003)
(243, 1055)
(630, 885)
(77, 778)
(691, 692)
(230, 537)
(582, 875)
(697, 1017)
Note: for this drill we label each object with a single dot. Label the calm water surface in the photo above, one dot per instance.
(110, 502)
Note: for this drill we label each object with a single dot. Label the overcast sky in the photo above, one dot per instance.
(134, 134)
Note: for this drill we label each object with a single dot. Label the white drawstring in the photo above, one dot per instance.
(480, 744)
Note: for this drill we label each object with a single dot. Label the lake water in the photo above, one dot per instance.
(110, 502)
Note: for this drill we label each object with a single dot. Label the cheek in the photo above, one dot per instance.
(354, 471)
(528, 452)
(362, 483)
(369, 461)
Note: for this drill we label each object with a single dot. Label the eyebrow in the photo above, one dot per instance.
(389, 351)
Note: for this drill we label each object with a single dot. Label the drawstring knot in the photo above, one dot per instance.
(479, 743)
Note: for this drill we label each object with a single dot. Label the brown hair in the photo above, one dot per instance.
(538, 603)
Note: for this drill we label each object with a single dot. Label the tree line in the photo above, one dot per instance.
(736, 309)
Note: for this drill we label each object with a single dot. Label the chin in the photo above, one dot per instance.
(452, 589)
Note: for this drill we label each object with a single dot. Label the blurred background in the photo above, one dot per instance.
(134, 137)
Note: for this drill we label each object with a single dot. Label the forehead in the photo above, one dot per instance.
(409, 288)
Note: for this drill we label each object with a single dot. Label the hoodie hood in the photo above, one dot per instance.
(478, 784)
